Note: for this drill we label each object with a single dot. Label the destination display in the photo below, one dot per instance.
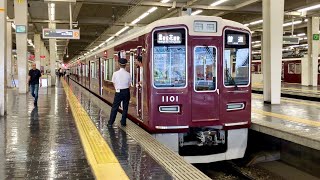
(169, 38)
(61, 34)
(236, 39)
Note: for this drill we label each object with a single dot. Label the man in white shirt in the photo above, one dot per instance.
(121, 81)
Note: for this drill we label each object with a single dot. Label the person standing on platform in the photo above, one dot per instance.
(121, 81)
(33, 81)
(68, 74)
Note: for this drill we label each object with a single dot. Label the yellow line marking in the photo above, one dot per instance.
(291, 101)
(2, 9)
(101, 158)
(288, 118)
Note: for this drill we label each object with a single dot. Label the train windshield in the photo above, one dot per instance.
(169, 58)
(236, 58)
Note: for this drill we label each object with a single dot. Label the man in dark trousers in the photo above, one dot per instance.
(121, 81)
(33, 81)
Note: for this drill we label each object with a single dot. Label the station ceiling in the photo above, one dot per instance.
(98, 20)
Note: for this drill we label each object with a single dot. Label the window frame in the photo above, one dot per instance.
(194, 70)
(152, 55)
(249, 66)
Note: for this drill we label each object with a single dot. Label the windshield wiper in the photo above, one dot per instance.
(232, 80)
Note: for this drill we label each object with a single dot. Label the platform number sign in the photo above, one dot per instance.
(315, 37)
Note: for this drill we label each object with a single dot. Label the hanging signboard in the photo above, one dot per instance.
(61, 34)
(290, 40)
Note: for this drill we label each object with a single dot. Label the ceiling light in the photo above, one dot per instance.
(291, 23)
(196, 12)
(165, 1)
(121, 31)
(218, 2)
(109, 39)
(246, 24)
(256, 22)
(144, 15)
(309, 8)
(101, 44)
(301, 34)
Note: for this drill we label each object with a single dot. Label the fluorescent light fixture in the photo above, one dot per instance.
(144, 15)
(309, 8)
(255, 42)
(218, 2)
(165, 1)
(121, 31)
(246, 24)
(256, 22)
(291, 23)
(196, 12)
(152, 10)
(301, 34)
(306, 20)
(100, 45)
(257, 45)
(109, 39)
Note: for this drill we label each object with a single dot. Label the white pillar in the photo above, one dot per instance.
(9, 55)
(313, 51)
(272, 49)
(3, 58)
(21, 18)
(52, 48)
(37, 49)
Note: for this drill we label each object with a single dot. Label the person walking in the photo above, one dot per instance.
(33, 82)
(121, 81)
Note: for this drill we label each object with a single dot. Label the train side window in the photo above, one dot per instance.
(106, 70)
(205, 64)
(87, 70)
(93, 70)
(291, 68)
(236, 58)
(110, 68)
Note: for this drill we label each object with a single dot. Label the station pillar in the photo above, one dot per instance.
(10, 62)
(21, 21)
(3, 57)
(53, 56)
(273, 12)
(313, 52)
(37, 50)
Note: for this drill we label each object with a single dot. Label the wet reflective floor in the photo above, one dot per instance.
(43, 142)
(135, 161)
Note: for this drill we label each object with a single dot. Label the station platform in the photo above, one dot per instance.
(293, 120)
(41, 143)
(293, 90)
(67, 137)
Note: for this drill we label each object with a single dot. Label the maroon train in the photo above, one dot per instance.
(291, 69)
(195, 92)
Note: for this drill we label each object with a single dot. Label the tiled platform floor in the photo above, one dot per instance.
(43, 142)
(293, 120)
(136, 162)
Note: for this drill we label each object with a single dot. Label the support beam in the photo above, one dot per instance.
(313, 51)
(52, 49)
(10, 63)
(273, 12)
(37, 51)
(3, 58)
(21, 18)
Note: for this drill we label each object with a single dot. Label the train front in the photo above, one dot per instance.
(200, 99)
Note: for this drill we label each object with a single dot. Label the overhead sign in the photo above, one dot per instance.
(61, 34)
(290, 40)
(236, 39)
(21, 29)
(315, 37)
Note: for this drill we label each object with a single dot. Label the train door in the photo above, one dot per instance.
(205, 94)
(101, 69)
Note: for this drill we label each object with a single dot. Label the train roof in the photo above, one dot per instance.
(187, 21)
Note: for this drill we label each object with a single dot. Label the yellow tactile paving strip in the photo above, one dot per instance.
(103, 162)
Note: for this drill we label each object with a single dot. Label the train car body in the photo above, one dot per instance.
(193, 90)
(291, 69)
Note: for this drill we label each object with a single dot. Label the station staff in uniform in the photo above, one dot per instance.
(121, 81)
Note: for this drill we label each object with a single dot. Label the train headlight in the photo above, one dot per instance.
(235, 106)
(169, 109)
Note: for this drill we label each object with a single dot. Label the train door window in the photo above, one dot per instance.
(169, 58)
(259, 68)
(253, 69)
(87, 70)
(236, 58)
(93, 70)
(84, 70)
(205, 68)
(291, 68)
(110, 68)
(298, 68)
(105, 64)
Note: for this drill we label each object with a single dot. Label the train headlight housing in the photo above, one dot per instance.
(169, 109)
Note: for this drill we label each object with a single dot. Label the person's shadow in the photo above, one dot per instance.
(34, 120)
